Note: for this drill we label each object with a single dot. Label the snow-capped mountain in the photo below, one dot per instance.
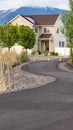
(7, 15)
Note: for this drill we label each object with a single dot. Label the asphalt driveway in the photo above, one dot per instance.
(48, 107)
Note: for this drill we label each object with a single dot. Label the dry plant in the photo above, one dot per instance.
(3, 85)
(7, 60)
(1, 62)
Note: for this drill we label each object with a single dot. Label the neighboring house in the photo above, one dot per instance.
(48, 31)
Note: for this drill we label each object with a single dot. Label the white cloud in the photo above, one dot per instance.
(7, 4)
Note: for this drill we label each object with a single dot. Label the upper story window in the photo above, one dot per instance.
(57, 30)
(46, 30)
(36, 30)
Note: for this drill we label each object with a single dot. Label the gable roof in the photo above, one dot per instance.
(42, 19)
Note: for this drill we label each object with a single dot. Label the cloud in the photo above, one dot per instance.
(6, 4)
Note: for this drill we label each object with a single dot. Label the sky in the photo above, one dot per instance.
(11, 4)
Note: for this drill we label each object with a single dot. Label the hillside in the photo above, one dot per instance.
(7, 15)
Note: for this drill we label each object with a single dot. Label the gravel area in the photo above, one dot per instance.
(24, 80)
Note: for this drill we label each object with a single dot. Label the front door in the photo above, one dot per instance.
(47, 45)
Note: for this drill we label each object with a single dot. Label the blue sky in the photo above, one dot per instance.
(11, 4)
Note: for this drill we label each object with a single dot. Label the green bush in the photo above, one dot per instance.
(39, 52)
(54, 53)
(46, 52)
(33, 53)
(24, 57)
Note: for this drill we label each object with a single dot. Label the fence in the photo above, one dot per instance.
(65, 51)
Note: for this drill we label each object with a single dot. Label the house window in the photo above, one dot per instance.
(46, 30)
(57, 30)
(62, 44)
(59, 43)
(36, 30)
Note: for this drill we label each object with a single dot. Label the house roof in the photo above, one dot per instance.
(42, 36)
(42, 19)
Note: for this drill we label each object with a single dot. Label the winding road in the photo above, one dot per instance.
(48, 107)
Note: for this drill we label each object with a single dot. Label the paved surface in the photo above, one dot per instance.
(48, 107)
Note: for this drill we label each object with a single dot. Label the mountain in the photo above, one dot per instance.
(7, 15)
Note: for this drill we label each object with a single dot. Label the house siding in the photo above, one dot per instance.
(21, 21)
(58, 36)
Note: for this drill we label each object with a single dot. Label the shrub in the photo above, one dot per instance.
(24, 57)
(46, 52)
(5, 66)
(3, 85)
(54, 53)
(7, 61)
(39, 52)
(33, 53)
